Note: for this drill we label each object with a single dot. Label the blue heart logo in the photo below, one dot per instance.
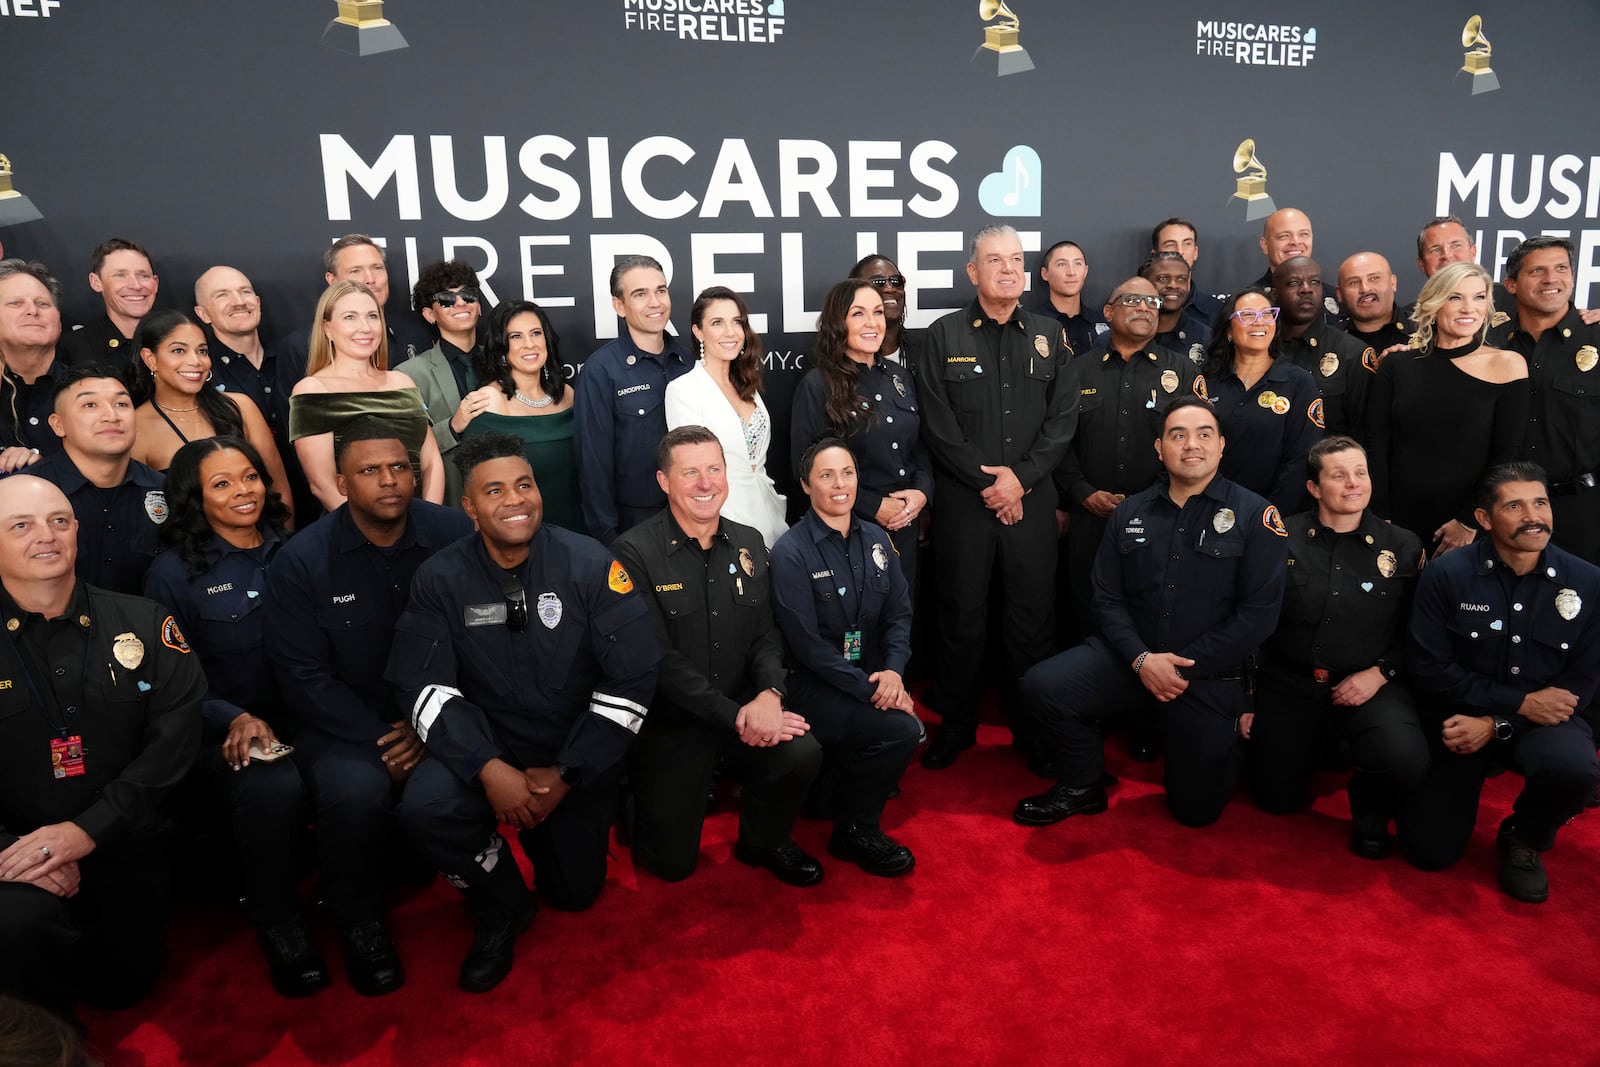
(775, 8)
(1014, 188)
(1309, 38)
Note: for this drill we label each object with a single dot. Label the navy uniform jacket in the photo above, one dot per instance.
(620, 420)
(34, 404)
(824, 585)
(1079, 332)
(70, 677)
(714, 610)
(234, 373)
(1563, 395)
(1204, 581)
(1190, 337)
(889, 452)
(1119, 419)
(222, 609)
(1483, 638)
(1270, 428)
(1343, 368)
(1348, 596)
(996, 395)
(572, 688)
(99, 341)
(119, 529)
(332, 601)
(1397, 331)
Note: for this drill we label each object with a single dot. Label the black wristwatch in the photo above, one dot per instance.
(568, 775)
(1388, 670)
(1502, 729)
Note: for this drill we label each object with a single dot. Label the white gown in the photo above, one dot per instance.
(694, 399)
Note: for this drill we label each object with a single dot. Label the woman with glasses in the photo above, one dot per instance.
(447, 296)
(856, 394)
(723, 394)
(1270, 410)
(525, 394)
(897, 343)
(1442, 413)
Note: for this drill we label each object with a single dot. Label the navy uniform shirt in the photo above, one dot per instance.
(996, 394)
(99, 341)
(234, 373)
(1482, 638)
(1397, 331)
(1343, 368)
(620, 420)
(825, 586)
(889, 453)
(1190, 337)
(222, 609)
(119, 529)
(34, 404)
(1119, 418)
(1347, 598)
(1079, 332)
(1563, 397)
(1204, 581)
(115, 672)
(332, 601)
(713, 608)
(1205, 304)
(1269, 428)
(571, 688)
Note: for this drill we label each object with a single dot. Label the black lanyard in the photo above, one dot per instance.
(52, 707)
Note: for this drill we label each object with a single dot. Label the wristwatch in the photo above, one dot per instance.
(1388, 670)
(1502, 729)
(568, 775)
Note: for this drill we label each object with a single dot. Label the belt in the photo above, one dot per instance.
(1234, 675)
(1572, 485)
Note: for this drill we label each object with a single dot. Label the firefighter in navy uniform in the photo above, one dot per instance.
(527, 663)
(99, 721)
(1342, 366)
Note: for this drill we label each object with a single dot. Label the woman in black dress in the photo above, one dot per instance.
(1442, 413)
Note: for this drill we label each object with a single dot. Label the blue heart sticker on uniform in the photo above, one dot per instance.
(252, 594)
(730, 568)
(841, 590)
(144, 687)
(1497, 625)
(1367, 586)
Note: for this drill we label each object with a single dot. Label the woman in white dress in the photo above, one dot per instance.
(723, 394)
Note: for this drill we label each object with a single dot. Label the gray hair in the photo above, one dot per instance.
(996, 229)
(36, 270)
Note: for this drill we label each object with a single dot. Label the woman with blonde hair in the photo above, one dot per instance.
(347, 376)
(1444, 411)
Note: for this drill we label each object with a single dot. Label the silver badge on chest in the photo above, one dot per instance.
(1568, 604)
(549, 609)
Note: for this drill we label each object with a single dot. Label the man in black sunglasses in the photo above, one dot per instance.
(528, 665)
(447, 294)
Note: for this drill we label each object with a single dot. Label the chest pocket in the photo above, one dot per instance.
(1555, 634)
(345, 617)
(751, 592)
(232, 621)
(1141, 567)
(639, 405)
(1088, 401)
(1577, 385)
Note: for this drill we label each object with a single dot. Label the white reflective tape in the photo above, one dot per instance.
(429, 703)
(625, 713)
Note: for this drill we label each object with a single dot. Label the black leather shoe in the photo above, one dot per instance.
(371, 960)
(1522, 871)
(872, 850)
(787, 862)
(945, 749)
(296, 967)
(1369, 836)
(1049, 808)
(490, 958)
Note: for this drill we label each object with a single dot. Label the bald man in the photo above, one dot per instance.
(225, 300)
(1367, 293)
(99, 721)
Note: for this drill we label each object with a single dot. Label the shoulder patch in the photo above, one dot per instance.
(1200, 387)
(1314, 413)
(1371, 360)
(618, 579)
(1271, 521)
(172, 637)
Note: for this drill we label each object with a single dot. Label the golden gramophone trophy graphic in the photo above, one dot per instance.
(14, 207)
(361, 29)
(1000, 53)
(1476, 61)
(1250, 200)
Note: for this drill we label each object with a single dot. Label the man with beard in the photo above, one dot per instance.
(1342, 366)
(1367, 293)
(1180, 328)
(1180, 236)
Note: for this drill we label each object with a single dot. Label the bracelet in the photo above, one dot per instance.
(1139, 663)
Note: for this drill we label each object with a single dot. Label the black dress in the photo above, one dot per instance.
(1432, 430)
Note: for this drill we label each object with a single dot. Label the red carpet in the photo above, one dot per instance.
(1117, 939)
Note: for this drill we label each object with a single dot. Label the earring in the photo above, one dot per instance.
(208, 376)
(702, 350)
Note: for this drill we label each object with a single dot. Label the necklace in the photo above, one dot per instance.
(532, 403)
(181, 411)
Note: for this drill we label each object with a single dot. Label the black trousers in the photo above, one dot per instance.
(670, 769)
(105, 946)
(358, 841)
(1084, 535)
(866, 750)
(970, 546)
(1069, 691)
(266, 813)
(1292, 709)
(1559, 771)
(454, 826)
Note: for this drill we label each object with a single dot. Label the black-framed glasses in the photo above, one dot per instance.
(516, 603)
(889, 281)
(1252, 316)
(1133, 300)
(448, 298)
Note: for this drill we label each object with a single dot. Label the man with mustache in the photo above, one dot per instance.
(1342, 366)
(1505, 652)
(1181, 327)
(225, 300)
(1367, 292)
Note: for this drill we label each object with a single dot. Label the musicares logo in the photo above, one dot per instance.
(738, 21)
(1256, 44)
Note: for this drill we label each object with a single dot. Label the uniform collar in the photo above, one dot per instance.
(671, 348)
(1148, 353)
(217, 548)
(821, 531)
(1552, 566)
(347, 536)
(77, 609)
(977, 318)
(677, 540)
(70, 479)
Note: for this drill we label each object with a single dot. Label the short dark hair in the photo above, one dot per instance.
(1155, 232)
(1504, 473)
(78, 372)
(35, 270)
(861, 264)
(1327, 447)
(1187, 401)
(1044, 257)
(808, 458)
(97, 258)
(437, 277)
(1150, 262)
(364, 428)
(627, 263)
(684, 435)
(349, 240)
(1537, 243)
(1437, 220)
(479, 449)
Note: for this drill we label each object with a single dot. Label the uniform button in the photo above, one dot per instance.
(713, 614)
(877, 396)
(1008, 411)
(1008, 440)
(34, 421)
(895, 445)
(888, 418)
(902, 472)
(1516, 639)
(60, 671)
(1516, 670)
(266, 388)
(714, 644)
(1516, 607)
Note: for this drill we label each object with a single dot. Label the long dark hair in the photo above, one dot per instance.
(1219, 356)
(493, 364)
(839, 372)
(218, 408)
(745, 374)
(187, 528)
